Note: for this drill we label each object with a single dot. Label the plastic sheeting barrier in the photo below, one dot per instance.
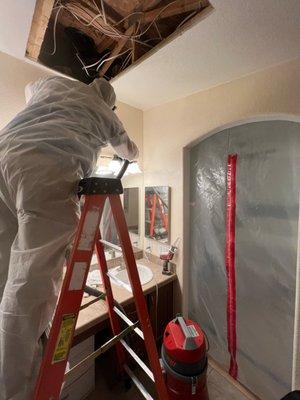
(267, 205)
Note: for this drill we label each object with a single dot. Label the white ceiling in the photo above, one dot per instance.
(239, 37)
(236, 39)
(15, 22)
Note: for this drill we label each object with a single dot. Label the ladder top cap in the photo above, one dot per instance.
(104, 186)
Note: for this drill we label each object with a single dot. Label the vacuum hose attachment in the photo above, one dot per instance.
(123, 169)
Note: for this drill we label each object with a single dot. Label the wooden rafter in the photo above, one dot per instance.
(67, 20)
(40, 20)
(112, 15)
(122, 42)
(117, 50)
(101, 40)
(176, 8)
(150, 4)
(88, 9)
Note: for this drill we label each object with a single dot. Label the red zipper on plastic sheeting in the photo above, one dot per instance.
(230, 263)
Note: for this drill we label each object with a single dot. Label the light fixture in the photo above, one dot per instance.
(133, 168)
(103, 170)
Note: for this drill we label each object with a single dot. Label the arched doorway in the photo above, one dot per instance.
(267, 211)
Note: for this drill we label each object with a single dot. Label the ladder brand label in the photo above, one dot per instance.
(64, 338)
(88, 233)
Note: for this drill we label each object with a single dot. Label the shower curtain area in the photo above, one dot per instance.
(243, 250)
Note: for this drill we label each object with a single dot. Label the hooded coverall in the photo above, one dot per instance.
(44, 152)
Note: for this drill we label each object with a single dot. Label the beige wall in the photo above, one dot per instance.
(170, 127)
(14, 75)
(132, 119)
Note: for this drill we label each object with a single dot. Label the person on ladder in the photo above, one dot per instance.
(44, 152)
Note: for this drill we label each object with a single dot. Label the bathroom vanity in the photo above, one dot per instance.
(93, 321)
(94, 318)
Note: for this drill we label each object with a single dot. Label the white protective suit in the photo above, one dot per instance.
(44, 152)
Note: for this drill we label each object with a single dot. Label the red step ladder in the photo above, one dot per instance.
(52, 372)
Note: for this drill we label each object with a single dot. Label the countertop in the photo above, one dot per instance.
(97, 312)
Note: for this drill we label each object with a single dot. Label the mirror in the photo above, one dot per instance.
(107, 227)
(157, 205)
(131, 209)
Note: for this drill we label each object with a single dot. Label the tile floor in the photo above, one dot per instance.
(107, 389)
(220, 389)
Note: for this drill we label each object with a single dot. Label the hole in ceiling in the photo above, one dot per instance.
(91, 38)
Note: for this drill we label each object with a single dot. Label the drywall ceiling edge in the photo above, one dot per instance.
(15, 23)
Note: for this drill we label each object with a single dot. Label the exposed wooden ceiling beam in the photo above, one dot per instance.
(117, 50)
(179, 7)
(112, 15)
(101, 40)
(40, 20)
(124, 7)
(133, 20)
(68, 21)
(87, 12)
(150, 4)
(132, 23)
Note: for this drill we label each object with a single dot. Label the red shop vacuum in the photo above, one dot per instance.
(184, 360)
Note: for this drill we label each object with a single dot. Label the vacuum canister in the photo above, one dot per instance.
(184, 360)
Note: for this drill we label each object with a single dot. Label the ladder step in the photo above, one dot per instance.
(128, 322)
(105, 347)
(94, 292)
(138, 383)
(137, 359)
(113, 246)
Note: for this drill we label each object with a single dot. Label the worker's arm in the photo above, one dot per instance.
(115, 134)
(29, 91)
(108, 128)
(32, 87)
(125, 147)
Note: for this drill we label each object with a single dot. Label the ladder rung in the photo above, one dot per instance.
(106, 346)
(128, 322)
(137, 359)
(113, 246)
(138, 383)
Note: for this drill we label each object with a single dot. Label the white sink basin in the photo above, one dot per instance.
(120, 277)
